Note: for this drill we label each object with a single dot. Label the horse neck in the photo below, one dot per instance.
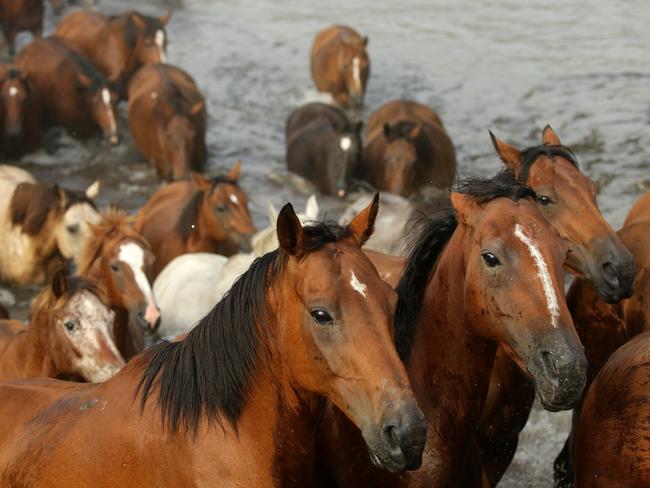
(26, 355)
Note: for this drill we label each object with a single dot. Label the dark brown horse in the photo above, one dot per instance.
(21, 108)
(407, 148)
(236, 402)
(167, 119)
(120, 259)
(68, 336)
(74, 93)
(117, 45)
(340, 65)
(199, 215)
(323, 146)
(567, 198)
(488, 275)
(20, 15)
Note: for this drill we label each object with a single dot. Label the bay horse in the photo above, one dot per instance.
(68, 335)
(340, 65)
(407, 148)
(120, 259)
(197, 215)
(323, 146)
(167, 118)
(567, 198)
(485, 275)
(73, 92)
(40, 224)
(21, 113)
(117, 45)
(20, 15)
(235, 403)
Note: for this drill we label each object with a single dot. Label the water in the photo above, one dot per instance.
(510, 67)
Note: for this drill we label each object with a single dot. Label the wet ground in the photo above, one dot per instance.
(583, 67)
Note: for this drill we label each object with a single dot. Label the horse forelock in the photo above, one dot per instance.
(532, 154)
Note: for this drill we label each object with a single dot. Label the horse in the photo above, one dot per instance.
(74, 93)
(57, 6)
(323, 146)
(191, 284)
(236, 402)
(120, 258)
(567, 198)
(407, 148)
(167, 118)
(487, 274)
(20, 15)
(68, 335)
(40, 224)
(21, 113)
(117, 45)
(197, 215)
(340, 65)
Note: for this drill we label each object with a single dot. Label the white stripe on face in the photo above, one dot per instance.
(133, 255)
(13, 91)
(159, 40)
(542, 273)
(234, 199)
(106, 99)
(346, 142)
(356, 72)
(357, 286)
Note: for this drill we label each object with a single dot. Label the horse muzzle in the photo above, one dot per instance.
(612, 274)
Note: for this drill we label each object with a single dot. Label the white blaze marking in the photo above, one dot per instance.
(106, 99)
(159, 40)
(133, 255)
(234, 199)
(346, 142)
(542, 273)
(13, 91)
(154, 95)
(356, 72)
(357, 286)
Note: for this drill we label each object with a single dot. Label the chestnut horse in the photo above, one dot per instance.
(20, 124)
(199, 215)
(167, 119)
(117, 45)
(567, 198)
(68, 336)
(407, 148)
(74, 93)
(40, 225)
(120, 259)
(236, 402)
(489, 274)
(20, 15)
(323, 146)
(340, 65)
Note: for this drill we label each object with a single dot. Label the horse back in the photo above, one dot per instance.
(306, 146)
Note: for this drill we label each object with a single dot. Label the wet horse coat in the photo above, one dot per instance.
(20, 15)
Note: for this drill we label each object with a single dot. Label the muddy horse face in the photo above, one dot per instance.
(73, 226)
(100, 99)
(148, 37)
(400, 155)
(343, 152)
(14, 94)
(355, 68)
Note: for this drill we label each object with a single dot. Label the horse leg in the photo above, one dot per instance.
(563, 464)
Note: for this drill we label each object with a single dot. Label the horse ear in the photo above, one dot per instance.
(93, 190)
(83, 81)
(203, 183)
(549, 137)
(60, 283)
(509, 154)
(138, 21)
(365, 40)
(272, 212)
(467, 209)
(164, 20)
(311, 208)
(233, 174)
(291, 236)
(363, 224)
(415, 131)
(197, 107)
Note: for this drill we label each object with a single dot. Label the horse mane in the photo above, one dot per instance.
(87, 68)
(32, 203)
(531, 154)
(114, 226)
(210, 372)
(187, 221)
(431, 235)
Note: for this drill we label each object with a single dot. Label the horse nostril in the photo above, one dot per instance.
(550, 366)
(609, 272)
(391, 436)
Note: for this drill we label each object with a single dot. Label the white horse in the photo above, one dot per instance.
(192, 284)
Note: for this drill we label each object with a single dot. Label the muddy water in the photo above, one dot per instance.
(511, 67)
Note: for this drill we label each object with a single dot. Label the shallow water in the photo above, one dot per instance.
(510, 67)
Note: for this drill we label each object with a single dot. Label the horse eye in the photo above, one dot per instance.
(490, 259)
(73, 228)
(69, 326)
(544, 200)
(115, 267)
(321, 317)
(221, 208)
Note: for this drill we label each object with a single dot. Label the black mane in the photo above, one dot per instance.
(431, 237)
(209, 373)
(530, 155)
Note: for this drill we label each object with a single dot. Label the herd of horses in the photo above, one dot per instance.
(301, 354)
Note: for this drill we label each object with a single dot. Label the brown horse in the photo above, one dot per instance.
(20, 124)
(489, 275)
(236, 402)
(74, 93)
(567, 198)
(323, 146)
(20, 15)
(117, 45)
(120, 259)
(167, 118)
(199, 215)
(340, 65)
(407, 148)
(68, 336)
